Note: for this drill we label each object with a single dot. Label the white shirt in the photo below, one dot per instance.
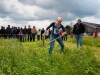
(39, 32)
(47, 33)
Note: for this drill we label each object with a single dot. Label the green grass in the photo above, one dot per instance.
(26, 58)
(91, 41)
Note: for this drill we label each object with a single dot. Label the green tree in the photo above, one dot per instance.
(68, 28)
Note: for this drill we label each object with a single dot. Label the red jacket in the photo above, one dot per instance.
(61, 32)
(95, 33)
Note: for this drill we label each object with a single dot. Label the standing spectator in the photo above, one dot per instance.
(24, 34)
(33, 31)
(65, 36)
(56, 26)
(38, 34)
(95, 34)
(47, 34)
(29, 33)
(78, 30)
(4, 33)
(20, 35)
(17, 32)
(1, 31)
(8, 29)
(42, 31)
(13, 32)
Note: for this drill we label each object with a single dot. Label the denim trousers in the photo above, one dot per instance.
(59, 40)
(78, 40)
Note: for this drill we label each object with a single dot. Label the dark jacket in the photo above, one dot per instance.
(3, 31)
(0, 31)
(13, 31)
(17, 31)
(24, 31)
(42, 31)
(78, 29)
(29, 30)
(53, 26)
(8, 30)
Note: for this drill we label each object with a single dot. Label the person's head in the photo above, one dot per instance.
(21, 28)
(24, 26)
(33, 26)
(12, 26)
(39, 30)
(1, 27)
(59, 20)
(42, 28)
(18, 27)
(8, 26)
(28, 26)
(79, 21)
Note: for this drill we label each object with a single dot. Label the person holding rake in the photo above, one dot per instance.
(55, 34)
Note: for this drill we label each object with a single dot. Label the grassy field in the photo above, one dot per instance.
(27, 58)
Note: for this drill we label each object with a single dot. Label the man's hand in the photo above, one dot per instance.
(43, 34)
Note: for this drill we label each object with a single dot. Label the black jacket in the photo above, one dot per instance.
(24, 31)
(8, 30)
(78, 29)
(29, 30)
(53, 25)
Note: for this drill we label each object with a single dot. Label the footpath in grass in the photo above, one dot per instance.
(22, 58)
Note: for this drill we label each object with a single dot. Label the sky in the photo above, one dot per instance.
(40, 13)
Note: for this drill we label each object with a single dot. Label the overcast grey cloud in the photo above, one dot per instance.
(23, 12)
(80, 8)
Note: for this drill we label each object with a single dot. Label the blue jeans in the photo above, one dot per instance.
(59, 40)
(14, 35)
(78, 40)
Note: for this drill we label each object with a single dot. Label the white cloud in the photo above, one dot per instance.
(39, 24)
(91, 19)
(42, 12)
(5, 21)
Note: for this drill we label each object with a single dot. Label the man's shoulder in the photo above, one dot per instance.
(82, 24)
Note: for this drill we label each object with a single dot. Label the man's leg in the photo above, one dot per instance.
(33, 37)
(28, 37)
(80, 40)
(77, 40)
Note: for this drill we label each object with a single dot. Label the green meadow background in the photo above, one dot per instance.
(31, 58)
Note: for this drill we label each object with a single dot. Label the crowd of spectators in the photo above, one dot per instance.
(24, 34)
